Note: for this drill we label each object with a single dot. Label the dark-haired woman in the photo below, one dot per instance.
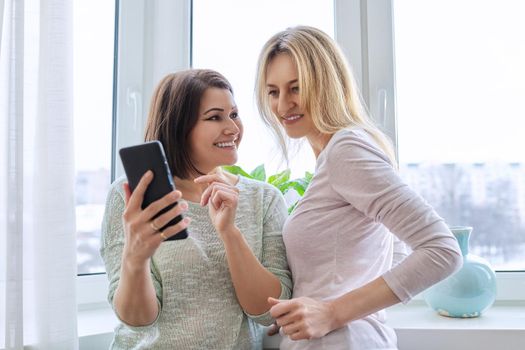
(208, 291)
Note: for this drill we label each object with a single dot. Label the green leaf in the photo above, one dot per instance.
(279, 178)
(259, 173)
(308, 176)
(236, 170)
(297, 185)
(292, 207)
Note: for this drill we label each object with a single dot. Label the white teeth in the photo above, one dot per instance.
(293, 117)
(225, 144)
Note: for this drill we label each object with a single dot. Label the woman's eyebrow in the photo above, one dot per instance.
(214, 109)
(290, 82)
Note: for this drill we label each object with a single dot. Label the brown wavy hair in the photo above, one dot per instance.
(174, 112)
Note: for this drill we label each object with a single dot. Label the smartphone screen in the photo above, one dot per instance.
(137, 160)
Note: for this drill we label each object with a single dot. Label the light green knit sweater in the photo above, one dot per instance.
(198, 306)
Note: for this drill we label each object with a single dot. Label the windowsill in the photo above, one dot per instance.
(502, 326)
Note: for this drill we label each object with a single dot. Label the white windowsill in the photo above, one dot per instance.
(417, 327)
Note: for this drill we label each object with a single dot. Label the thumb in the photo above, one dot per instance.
(273, 301)
(127, 191)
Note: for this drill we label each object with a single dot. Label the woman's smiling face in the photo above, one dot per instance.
(216, 136)
(282, 86)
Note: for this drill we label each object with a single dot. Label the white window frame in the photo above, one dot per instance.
(365, 31)
(158, 41)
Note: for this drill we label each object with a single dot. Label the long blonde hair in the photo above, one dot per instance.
(327, 86)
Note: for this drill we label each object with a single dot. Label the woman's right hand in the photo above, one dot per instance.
(141, 230)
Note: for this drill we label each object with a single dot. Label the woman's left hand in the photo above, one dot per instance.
(222, 198)
(303, 318)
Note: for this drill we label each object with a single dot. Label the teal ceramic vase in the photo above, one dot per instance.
(469, 291)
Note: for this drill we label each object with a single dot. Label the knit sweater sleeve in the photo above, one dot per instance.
(363, 176)
(112, 245)
(273, 255)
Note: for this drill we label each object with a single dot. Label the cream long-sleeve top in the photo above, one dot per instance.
(339, 238)
(198, 305)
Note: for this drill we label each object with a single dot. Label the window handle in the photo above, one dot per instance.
(134, 99)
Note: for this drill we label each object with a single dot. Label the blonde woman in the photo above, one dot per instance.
(208, 291)
(339, 241)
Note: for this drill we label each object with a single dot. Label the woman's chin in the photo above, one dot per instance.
(294, 134)
(230, 161)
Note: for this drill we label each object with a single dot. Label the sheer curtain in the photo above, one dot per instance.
(37, 217)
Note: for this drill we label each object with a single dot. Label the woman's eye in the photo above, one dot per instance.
(214, 117)
(272, 93)
(234, 115)
(295, 89)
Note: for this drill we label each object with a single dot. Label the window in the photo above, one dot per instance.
(232, 48)
(459, 87)
(157, 37)
(94, 22)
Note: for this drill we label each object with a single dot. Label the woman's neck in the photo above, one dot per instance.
(191, 191)
(318, 142)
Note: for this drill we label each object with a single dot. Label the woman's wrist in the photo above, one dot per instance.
(340, 311)
(133, 265)
(230, 235)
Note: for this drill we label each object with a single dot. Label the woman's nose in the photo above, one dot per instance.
(284, 104)
(232, 127)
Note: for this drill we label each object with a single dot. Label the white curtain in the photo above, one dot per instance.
(37, 216)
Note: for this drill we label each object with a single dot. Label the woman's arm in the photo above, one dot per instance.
(129, 241)
(306, 318)
(135, 299)
(252, 281)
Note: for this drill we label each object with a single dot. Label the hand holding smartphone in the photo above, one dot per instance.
(137, 160)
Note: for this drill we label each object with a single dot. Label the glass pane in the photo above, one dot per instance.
(460, 93)
(94, 23)
(227, 37)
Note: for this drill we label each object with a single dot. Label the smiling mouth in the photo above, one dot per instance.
(292, 118)
(226, 144)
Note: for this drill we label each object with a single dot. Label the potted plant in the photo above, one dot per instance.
(280, 180)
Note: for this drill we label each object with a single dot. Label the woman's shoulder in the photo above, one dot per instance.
(261, 197)
(257, 186)
(116, 193)
(351, 136)
(116, 186)
(355, 143)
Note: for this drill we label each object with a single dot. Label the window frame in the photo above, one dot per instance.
(368, 41)
(364, 29)
(140, 62)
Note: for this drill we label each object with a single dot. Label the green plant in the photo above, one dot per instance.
(280, 180)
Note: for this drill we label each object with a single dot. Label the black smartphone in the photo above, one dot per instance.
(137, 160)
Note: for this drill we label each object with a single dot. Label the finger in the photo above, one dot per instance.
(211, 178)
(273, 301)
(281, 309)
(127, 192)
(165, 218)
(173, 230)
(221, 197)
(153, 209)
(211, 190)
(300, 335)
(273, 330)
(137, 196)
(206, 196)
(288, 318)
(291, 328)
